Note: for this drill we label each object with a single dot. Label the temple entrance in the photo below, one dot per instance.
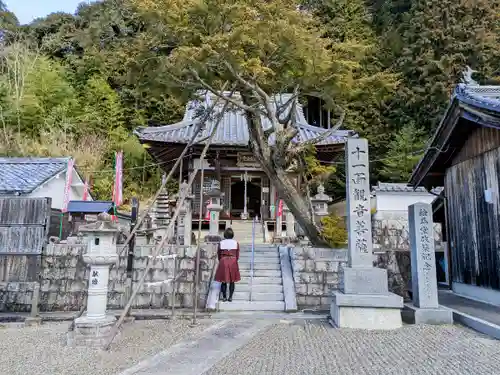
(253, 197)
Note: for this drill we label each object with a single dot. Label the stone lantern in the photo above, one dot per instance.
(320, 202)
(214, 209)
(290, 223)
(94, 327)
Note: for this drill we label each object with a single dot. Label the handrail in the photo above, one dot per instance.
(252, 258)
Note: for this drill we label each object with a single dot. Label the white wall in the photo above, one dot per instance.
(399, 201)
(54, 188)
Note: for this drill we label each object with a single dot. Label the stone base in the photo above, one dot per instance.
(414, 315)
(89, 332)
(364, 280)
(366, 311)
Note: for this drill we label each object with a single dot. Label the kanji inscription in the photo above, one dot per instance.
(358, 203)
(423, 259)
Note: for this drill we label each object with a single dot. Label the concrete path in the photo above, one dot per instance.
(312, 347)
(197, 356)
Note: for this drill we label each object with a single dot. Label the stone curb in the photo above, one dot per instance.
(475, 323)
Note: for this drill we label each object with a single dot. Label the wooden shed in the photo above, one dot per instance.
(464, 157)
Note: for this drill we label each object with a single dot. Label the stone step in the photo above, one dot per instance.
(261, 280)
(259, 259)
(263, 288)
(248, 253)
(260, 266)
(256, 296)
(260, 273)
(252, 306)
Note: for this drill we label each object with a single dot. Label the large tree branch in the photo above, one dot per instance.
(265, 99)
(220, 95)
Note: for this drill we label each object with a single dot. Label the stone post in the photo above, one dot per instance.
(214, 209)
(244, 214)
(320, 203)
(425, 307)
(184, 222)
(94, 327)
(364, 300)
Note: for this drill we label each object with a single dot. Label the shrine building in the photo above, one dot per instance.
(246, 189)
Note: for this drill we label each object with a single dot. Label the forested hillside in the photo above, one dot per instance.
(79, 84)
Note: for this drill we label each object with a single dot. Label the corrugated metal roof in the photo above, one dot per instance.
(388, 187)
(23, 175)
(233, 129)
(90, 206)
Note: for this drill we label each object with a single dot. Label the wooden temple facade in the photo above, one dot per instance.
(247, 191)
(464, 157)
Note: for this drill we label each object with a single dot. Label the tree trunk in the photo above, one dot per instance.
(271, 159)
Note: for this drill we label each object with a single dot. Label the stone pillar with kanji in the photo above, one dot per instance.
(364, 300)
(214, 209)
(94, 327)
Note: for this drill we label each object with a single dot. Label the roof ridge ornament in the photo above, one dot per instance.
(467, 76)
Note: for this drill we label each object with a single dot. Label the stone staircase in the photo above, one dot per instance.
(243, 231)
(267, 286)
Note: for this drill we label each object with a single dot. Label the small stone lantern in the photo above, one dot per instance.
(320, 202)
(94, 327)
(214, 209)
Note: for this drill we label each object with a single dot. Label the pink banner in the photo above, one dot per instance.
(67, 186)
(118, 187)
(280, 208)
(207, 213)
(85, 190)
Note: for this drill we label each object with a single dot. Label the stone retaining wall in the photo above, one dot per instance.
(316, 273)
(64, 280)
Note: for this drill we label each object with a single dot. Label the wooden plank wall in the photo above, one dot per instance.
(24, 225)
(474, 224)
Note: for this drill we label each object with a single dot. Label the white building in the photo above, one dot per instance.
(39, 178)
(391, 200)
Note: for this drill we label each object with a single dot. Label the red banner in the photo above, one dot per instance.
(67, 186)
(118, 187)
(280, 208)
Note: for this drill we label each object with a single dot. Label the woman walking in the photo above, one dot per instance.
(228, 270)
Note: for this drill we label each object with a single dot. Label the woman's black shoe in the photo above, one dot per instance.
(230, 299)
(224, 299)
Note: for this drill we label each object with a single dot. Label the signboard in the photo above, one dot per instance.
(246, 159)
(265, 190)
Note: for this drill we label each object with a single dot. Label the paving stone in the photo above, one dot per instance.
(315, 348)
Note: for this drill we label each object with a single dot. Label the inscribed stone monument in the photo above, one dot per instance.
(364, 300)
(425, 307)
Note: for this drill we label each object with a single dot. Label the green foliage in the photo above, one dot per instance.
(79, 84)
(403, 154)
(334, 231)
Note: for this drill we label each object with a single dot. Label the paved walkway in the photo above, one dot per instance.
(310, 347)
(474, 308)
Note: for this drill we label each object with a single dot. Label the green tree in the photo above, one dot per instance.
(217, 41)
(404, 152)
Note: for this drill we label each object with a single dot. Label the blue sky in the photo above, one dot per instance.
(27, 10)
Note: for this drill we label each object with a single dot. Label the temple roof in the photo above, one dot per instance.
(233, 129)
(471, 106)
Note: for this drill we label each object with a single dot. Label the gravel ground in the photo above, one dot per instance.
(314, 347)
(43, 351)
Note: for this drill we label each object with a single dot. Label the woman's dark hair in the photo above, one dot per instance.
(228, 234)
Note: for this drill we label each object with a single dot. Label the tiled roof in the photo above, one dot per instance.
(90, 206)
(233, 129)
(23, 175)
(388, 187)
(486, 97)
